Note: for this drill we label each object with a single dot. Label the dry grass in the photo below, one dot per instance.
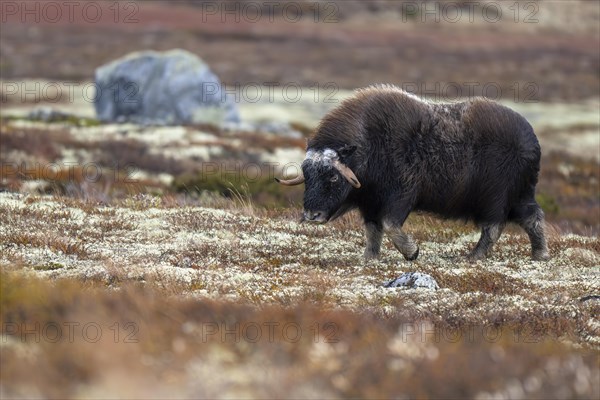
(152, 346)
(102, 163)
(564, 40)
(573, 184)
(35, 142)
(266, 258)
(137, 155)
(164, 280)
(177, 284)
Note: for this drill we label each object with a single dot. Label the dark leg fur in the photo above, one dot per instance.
(533, 224)
(489, 235)
(374, 232)
(403, 242)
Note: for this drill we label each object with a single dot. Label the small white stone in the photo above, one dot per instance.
(413, 280)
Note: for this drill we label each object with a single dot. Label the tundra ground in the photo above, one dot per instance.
(234, 302)
(153, 262)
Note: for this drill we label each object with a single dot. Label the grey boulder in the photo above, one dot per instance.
(152, 88)
(413, 280)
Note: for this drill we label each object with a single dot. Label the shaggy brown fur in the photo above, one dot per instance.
(474, 160)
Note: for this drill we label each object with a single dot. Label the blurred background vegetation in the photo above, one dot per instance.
(541, 58)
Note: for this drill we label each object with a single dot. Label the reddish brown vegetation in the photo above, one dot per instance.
(159, 344)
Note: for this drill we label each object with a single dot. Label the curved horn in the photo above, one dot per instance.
(291, 182)
(347, 173)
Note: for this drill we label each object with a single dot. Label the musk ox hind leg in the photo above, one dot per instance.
(374, 232)
(402, 241)
(533, 223)
(489, 235)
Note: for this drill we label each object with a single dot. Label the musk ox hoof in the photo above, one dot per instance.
(542, 256)
(413, 257)
(370, 255)
(474, 257)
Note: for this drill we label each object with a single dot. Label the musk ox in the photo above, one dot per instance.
(386, 153)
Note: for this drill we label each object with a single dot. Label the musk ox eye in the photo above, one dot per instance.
(334, 178)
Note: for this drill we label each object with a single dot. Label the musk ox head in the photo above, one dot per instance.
(328, 181)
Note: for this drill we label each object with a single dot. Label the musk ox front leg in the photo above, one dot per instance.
(402, 241)
(489, 235)
(374, 232)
